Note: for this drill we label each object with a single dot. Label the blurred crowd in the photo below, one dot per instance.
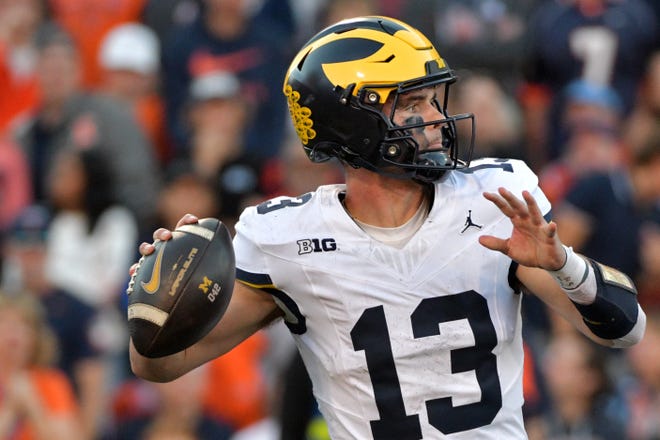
(119, 116)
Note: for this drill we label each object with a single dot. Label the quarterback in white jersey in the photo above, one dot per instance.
(410, 342)
(402, 285)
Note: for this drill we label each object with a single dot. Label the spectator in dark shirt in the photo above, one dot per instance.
(606, 214)
(225, 38)
(603, 42)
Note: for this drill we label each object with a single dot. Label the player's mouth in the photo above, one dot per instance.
(432, 145)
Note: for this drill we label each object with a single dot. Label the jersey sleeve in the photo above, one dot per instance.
(513, 175)
(255, 258)
(531, 184)
(251, 262)
(527, 180)
(543, 202)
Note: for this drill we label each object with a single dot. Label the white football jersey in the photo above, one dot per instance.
(418, 342)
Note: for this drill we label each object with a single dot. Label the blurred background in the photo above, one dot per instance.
(119, 116)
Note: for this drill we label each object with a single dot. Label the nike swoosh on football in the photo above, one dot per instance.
(154, 283)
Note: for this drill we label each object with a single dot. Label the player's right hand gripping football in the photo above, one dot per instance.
(161, 234)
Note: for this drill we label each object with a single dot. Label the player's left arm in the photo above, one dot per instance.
(600, 301)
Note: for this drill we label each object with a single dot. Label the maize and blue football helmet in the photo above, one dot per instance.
(337, 87)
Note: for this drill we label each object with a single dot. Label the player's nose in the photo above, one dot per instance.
(433, 115)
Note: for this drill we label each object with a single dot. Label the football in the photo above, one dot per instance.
(178, 293)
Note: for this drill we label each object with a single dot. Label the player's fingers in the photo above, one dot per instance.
(533, 207)
(516, 204)
(494, 243)
(146, 248)
(187, 219)
(500, 203)
(132, 269)
(162, 234)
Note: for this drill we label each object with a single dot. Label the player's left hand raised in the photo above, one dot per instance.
(534, 241)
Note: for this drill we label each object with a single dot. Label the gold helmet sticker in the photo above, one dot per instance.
(300, 115)
(401, 57)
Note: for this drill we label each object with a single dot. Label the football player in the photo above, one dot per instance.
(402, 287)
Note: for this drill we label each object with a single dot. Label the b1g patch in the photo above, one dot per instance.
(616, 277)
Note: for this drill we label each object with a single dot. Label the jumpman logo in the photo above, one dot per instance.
(469, 222)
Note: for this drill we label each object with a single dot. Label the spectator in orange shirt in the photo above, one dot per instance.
(88, 21)
(37, 401)
(19, 22)
(236, 391)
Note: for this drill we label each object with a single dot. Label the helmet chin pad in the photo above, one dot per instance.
(434, 159)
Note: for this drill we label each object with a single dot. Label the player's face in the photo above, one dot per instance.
(416, 108)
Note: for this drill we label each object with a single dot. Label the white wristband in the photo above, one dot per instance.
(576, 278)
(573, 272)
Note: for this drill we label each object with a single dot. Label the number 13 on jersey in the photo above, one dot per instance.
(370, 333)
